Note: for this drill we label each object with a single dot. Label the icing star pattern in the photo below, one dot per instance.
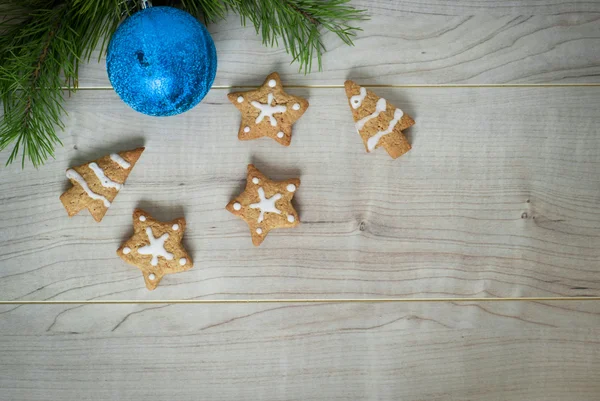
(155, 248)
(268, 111)
(265, 204)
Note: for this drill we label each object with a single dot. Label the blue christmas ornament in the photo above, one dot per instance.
(161, 61)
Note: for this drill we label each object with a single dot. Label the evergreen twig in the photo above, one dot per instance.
(43, 42)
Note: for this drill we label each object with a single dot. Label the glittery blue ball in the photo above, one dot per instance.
(161, 61)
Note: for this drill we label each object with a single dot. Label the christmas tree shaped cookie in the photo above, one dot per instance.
(155, 248)
(95, 184)
(378, 122)
(268, 111)
(265, 204)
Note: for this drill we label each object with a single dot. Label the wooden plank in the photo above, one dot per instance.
(461, 7)
(424, 45)
(302, 352)
(299, 317)
(498, 198)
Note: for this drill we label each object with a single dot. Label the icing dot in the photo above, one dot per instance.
(175, 227)
(291, 218)
(151, 277)
(280, 134)
(126, 250)
(259, 231)
(237, 206)
(142, 218)
(296, 106)
(182, 261)
(240, 99)
(246, 129)
(272, 83)
(291, 187)
(255, 180)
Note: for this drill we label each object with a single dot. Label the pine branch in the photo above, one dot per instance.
(43, 42)
(41, 47)
(297, 23)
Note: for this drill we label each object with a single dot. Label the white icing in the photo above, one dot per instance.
(175, 227)
(280, 134)
(120, 161)
(182, 261)
(126, 250)
(156, 247)
(356, 100)
(240, 99)
(266, 205)
(142, 218)
(272, 83)
(259, 230)
(72, 174)
(255, 180)
(151, 277)
(372, 141)
(296, 106)
(291, 218)
(104, 180)
(266, 110)
(246, 129)
(291, 187)
(380, 108)
(237, 206)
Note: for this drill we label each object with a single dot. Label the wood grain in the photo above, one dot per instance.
(498, 198)
(460, 7)
(420, 43)
(301, 352)
(301, 318)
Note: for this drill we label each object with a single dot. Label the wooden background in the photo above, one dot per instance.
(482, 244)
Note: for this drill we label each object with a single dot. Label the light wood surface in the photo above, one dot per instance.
(420, 47)
(301, 352)
(499, 198)
(300, 317)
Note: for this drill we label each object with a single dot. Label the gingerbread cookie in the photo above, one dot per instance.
(155, 248)
(268, 111)
(265, 204)
(378, 122)
(97, 183)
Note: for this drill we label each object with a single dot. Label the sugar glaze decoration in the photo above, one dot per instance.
(74, 175)
(268, 111)
(104, 180)
(371, 113)
(265, 204)
(120, 161)
(155, 248)
(97, 183)
(374, 140)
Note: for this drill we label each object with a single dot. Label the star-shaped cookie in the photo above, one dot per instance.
(265, 204)
(378, 122)
(268, 111)
(155, 248)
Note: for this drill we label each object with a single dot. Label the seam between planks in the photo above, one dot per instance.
(225, 87)
(299, 301)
